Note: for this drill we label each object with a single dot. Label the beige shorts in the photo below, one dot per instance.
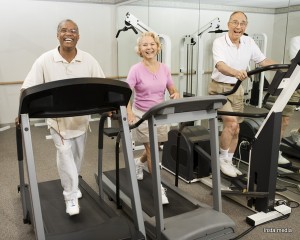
(141, 133)
(235, 102)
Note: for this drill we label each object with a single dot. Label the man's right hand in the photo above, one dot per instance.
(241, 75)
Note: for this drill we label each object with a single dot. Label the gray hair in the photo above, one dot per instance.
(59, 27)
(238, 12)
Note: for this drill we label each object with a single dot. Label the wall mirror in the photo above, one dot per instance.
(183, 20)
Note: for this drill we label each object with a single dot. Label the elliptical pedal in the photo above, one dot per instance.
(237, 183)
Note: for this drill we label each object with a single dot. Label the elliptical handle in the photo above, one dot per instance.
(256, 71)
(267, 68)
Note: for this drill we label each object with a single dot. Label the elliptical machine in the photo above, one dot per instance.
(263, 149)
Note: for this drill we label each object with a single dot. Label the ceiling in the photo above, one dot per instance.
(273, 4)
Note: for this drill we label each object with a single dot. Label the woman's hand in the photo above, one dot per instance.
(174, 95)
(131, 118)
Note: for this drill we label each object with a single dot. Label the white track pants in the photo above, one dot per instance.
(69, 158)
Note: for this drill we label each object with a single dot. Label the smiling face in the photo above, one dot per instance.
(68, 35)
(237, 26)
(148, 47)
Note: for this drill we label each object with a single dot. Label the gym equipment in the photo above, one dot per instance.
(290, 148)
(43, 203)
(192, 63)
(264, 147)
(184, 217)
(255, 88)
(135, 24)
(193, 162)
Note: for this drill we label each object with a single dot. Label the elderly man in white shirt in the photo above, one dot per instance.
(69, 134)
(232, 53)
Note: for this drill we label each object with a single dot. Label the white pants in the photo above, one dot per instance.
(69, 157)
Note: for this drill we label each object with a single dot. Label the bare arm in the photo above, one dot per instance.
(267, 62)
(229, 71)
(174, 94)
(130, 114)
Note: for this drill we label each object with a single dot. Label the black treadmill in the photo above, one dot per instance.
(184, 217)
(43, 204)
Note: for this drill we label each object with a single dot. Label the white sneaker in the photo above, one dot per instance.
(227, 167)
(282, 160)
(295, 136)
(238, 172)
(139, 169)
(79, 194)
(72, 206)
(164, 198)
(229, 161)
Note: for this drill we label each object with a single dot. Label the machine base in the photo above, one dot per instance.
(262, 217)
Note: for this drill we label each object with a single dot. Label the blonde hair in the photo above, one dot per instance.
(147, 34)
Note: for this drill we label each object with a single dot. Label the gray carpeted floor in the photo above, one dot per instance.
(12, 227)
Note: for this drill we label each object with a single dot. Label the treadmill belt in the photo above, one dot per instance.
(177, 204)
(95, 220)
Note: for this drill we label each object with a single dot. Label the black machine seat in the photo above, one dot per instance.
(44, 203)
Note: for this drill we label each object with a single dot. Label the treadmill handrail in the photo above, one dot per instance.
(183, 105)
(74, 97)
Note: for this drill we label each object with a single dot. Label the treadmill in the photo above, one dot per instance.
(184, 217)
(42, 202)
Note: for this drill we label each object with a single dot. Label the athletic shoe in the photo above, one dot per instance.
(282, 160)
(227, 167)
(72, 207)
(79, 194)
(295, 136)
(139, 169)
(164, 198)
(229, 161)
(238, 172)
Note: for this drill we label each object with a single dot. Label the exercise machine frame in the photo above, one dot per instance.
(65, 98)
(202, 222)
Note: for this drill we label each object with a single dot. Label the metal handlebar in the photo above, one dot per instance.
(256, 71)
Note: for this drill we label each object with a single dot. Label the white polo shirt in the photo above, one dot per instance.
(51, 66)
(235, 57)
(294, 46)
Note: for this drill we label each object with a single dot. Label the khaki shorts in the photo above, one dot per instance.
(141, 133)
(288, 110)
(235, 102)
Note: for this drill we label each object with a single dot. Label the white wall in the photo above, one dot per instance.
(28, 29)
